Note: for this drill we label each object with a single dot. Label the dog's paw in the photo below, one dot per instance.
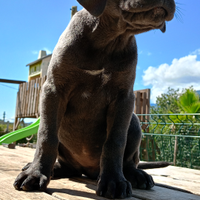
(139, 178)
(31, 179)
(26, 166)
(113, 187)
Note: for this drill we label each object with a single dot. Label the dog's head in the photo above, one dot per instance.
(140, 15)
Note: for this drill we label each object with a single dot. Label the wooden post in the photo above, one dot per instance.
(175, 149)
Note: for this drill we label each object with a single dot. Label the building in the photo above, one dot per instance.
(38, 68)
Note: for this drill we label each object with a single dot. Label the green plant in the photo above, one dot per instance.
(189, 102)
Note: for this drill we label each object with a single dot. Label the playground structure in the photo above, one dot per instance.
(27, 103)
(20, 134)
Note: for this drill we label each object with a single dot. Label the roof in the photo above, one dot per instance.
(38, 60)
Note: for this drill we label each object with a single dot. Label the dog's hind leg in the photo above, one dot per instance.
(137, 177)
(62, 170)
(65, 167)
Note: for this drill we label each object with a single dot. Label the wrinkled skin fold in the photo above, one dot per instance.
(87, 121)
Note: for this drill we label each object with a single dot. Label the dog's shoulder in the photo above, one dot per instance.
(82, 23)
(78, 30)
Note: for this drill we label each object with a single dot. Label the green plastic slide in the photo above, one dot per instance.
(21, 133)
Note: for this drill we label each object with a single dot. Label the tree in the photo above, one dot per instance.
(160, 146)
(189, 102)
(167, 102)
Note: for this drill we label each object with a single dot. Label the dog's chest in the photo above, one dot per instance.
(93, 92)
(102, 76)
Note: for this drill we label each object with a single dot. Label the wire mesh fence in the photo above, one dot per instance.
(173, 138)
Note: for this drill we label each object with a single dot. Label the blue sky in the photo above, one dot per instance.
(27, 26)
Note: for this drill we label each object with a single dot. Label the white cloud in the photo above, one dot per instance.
(47, 50)
(140, 52)
(196, 52)
(145, 53)
(182, 73)
(34, 52)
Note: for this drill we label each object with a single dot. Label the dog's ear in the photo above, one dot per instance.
(94, 7)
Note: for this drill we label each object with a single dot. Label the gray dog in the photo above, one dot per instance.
(87, 101)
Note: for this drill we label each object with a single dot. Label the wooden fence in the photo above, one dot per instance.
(142, 101)
(27, 105)
(28, 96)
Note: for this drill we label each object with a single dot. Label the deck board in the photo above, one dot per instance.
(184, 178)
(12, 160)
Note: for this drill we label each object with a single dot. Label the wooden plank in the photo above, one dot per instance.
(16, 112)
(20, 101)
(184, 178)
(148, 102)
(18, 104)
(144, 103)
(29, 99)
(39, 93)
(138, 108)
(24, 99)
(160, 193)
(76, 188)
(12, 160)
(11, 81)
(7, 192)
(10, 166)
(21, 98)
(32, 98)
(175, 150)
(35, 96)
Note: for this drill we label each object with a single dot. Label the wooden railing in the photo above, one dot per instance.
(28, 96)
(142, 101)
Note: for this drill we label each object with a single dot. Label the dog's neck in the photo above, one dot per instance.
(112, 34)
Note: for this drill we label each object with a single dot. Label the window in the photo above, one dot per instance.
(35, 69)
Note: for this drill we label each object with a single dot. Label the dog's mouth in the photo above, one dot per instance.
(149, 19)
(161, 12)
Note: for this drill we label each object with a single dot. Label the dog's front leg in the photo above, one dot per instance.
(38, 173)
(112, 183)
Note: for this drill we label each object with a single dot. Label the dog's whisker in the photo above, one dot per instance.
(179, 12)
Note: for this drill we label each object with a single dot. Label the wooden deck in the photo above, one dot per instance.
(170, 180)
